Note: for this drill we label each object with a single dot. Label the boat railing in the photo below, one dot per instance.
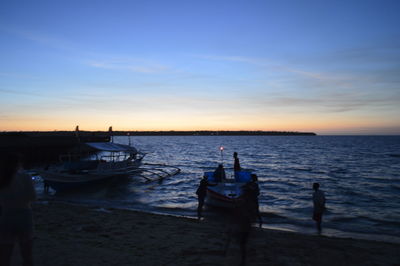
(114, 157)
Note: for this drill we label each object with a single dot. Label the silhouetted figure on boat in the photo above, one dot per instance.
(253, 191)
(16, 222)
(319, 205)
(236, 163)
(219, 173)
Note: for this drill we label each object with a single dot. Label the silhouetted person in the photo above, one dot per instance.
(236, 163)
(253, 191)
(16, 224)
(242, 217)
(319, 205)
(219, 173)
(201, 195)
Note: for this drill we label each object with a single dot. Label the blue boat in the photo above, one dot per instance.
(225, 193)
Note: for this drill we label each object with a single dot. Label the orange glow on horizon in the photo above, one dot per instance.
(151, 122)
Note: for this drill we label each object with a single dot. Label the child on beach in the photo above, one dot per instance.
(319, 205)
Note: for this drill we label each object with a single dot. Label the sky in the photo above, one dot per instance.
(329, 67)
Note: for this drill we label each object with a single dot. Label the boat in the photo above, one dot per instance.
(90, 163)
(226, 192)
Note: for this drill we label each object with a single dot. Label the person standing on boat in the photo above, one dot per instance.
(16, 223)
(201, 195)
(319, 205)
(236, 163)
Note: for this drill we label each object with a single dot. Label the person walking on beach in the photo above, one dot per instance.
(201, 195)
(319, 205)
(16, 224)
(236, 163)
(242, 216)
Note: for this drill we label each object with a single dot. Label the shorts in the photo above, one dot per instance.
(317, 216)
(16, 225)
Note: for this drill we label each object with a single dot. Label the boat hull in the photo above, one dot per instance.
(67, 182)
(63, 181)
(224, 194)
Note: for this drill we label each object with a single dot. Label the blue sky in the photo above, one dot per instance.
(331, 67)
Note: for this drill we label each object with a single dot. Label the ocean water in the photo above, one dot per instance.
(359, 174)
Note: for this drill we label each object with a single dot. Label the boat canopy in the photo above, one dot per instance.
(112, 147)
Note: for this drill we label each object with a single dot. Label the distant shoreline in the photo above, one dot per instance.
(38, 147)
(158, 133)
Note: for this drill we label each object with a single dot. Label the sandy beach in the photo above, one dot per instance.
(80, 235)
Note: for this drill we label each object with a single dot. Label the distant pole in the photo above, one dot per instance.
(129, 138)
(222, 154)
(77, 133)
(111, 135)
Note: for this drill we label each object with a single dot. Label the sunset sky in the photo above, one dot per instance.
(330, 67)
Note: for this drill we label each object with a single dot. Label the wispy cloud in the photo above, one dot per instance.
(240, 59)
(327, 102)
(39, 38)
(17, 75)
(138, 66)
(267, 64)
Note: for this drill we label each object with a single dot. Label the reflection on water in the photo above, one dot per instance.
(359, 174)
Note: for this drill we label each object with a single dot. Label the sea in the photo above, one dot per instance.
(360, 176)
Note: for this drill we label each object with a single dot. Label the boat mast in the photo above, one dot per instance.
(222, 154)
(112, 141)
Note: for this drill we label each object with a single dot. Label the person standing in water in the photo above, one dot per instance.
(201, 195)
(16, 223)
(319, 206)
(253, 191)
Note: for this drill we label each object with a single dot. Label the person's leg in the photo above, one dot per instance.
(26, 248)
(243, 241)
(260, 221)
(318, 220)
(200, 207)
(6, 251)
(229, 234)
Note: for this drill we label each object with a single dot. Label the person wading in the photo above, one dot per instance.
(319, 206)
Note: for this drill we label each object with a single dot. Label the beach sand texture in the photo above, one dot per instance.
(79, 235)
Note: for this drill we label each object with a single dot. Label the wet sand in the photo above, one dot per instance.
(78, 235)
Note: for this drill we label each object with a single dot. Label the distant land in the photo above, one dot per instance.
(214, 133)
(157, 133)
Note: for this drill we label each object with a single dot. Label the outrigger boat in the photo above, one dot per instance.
(91, 163)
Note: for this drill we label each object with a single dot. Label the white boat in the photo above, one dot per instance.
(227, 192)
(91, 163)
